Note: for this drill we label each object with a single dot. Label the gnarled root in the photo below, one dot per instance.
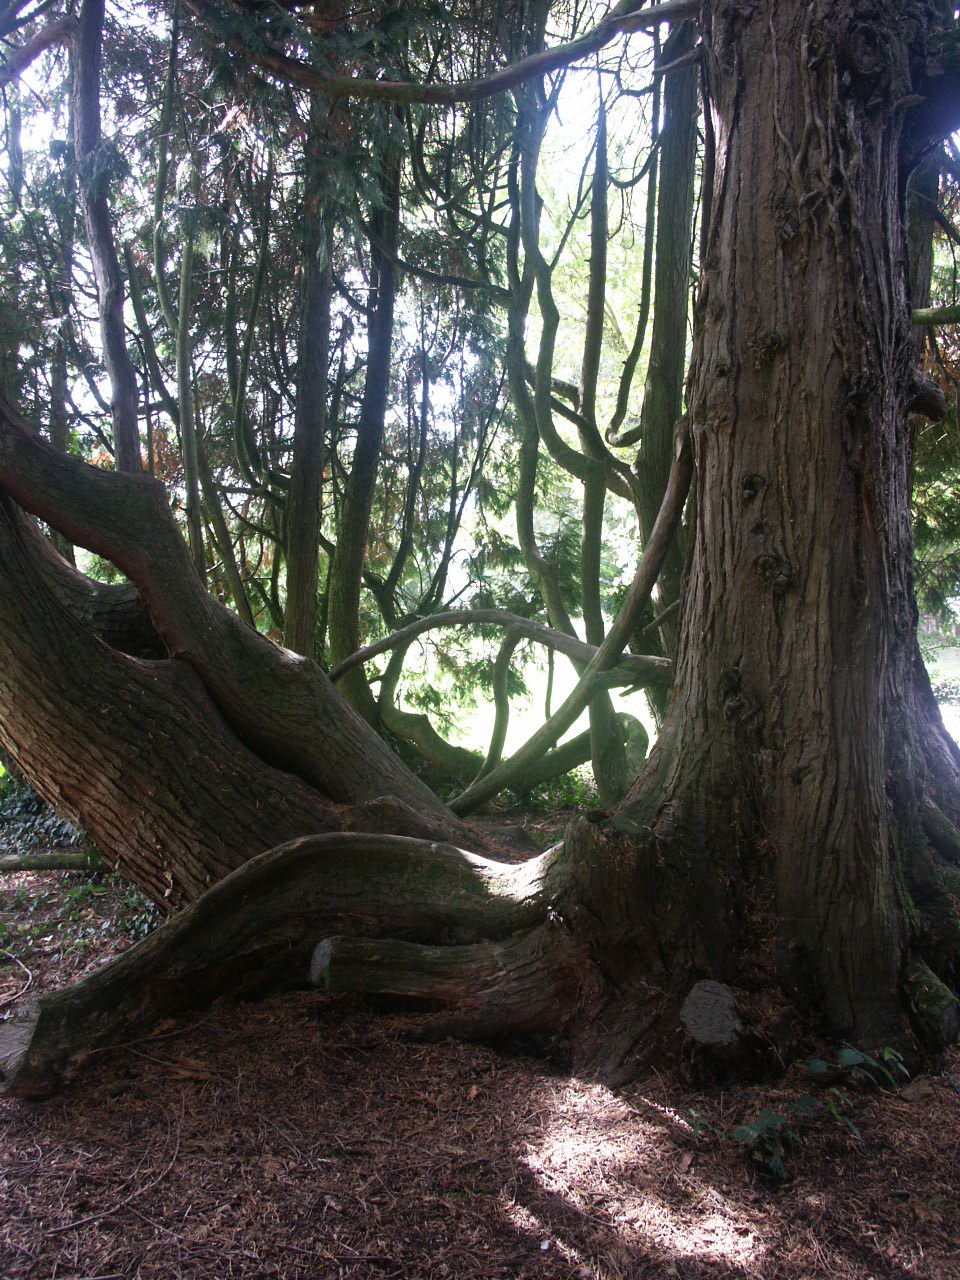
(447, 911)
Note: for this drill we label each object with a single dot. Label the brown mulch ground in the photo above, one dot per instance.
(304, 1137)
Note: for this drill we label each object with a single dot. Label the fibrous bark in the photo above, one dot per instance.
(799, 746)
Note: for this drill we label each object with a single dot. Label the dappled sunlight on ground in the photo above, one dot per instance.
(315, 1139)
(605, 1156)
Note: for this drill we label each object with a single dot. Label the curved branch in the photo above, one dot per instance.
(501, 700)
(625, 19)
(623, 626)
(637, 671)
(613, 434)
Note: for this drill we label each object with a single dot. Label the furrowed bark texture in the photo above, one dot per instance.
(183, 742)
(794, 753)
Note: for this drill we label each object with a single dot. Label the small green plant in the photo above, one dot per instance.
(864, 1069)
(700, 1126)
(767, 1140)
(838, 1101)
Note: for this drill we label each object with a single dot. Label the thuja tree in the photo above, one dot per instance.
(795, 830)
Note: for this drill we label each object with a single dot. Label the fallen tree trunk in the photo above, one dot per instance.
(51, 860)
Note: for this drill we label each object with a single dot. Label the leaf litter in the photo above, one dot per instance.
(320, 1138)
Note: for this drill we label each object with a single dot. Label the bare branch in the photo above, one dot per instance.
(636, 670)
(17, 60)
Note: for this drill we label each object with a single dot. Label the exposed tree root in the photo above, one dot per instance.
(526, 984)
(259, 929)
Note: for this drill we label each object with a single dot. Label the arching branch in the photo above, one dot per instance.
(625, 19)
(613, 645)
(637, 671)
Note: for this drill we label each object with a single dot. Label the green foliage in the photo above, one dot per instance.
(702, 1127)
(864, 1069)
(75, 918)
(768, 1139)
(27, 820)
(947, 689)
(573, 790)
(771, 1137)
(131, 916)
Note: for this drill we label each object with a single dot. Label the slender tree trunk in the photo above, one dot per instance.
(93, 167)
(610, 768)
(306, 476)
(188, 421)
(62, 308)
(663, 390)
(343, 620)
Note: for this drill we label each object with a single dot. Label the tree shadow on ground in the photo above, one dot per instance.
(301, 1137)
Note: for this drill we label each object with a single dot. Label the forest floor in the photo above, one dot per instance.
(318, 1138)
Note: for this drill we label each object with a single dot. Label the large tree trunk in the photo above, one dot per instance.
(799, 748)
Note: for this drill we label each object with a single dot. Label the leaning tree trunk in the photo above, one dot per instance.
(181, 740)
(799, 748)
